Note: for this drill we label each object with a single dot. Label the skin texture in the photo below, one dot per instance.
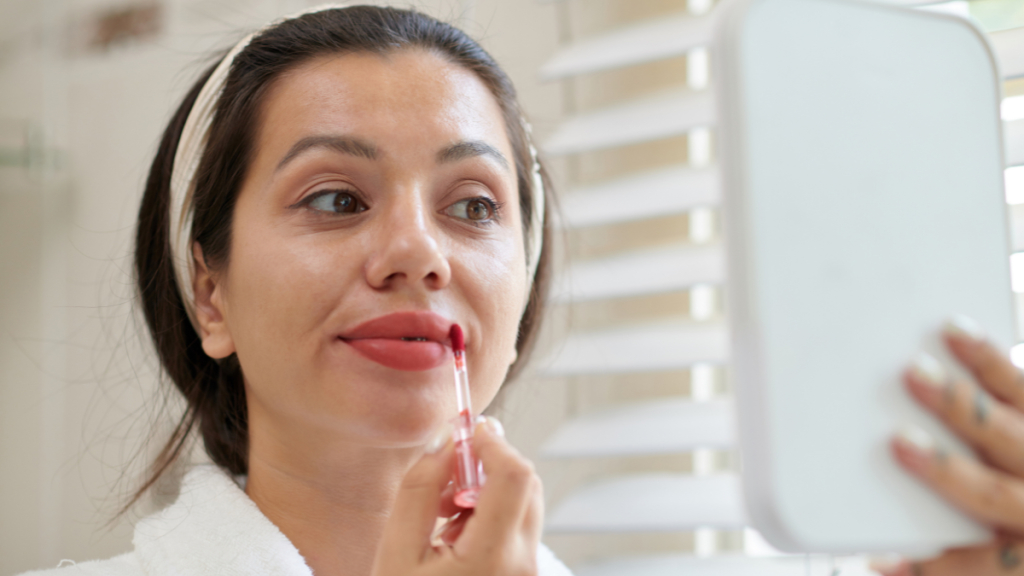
(335, 438)
(989, 415)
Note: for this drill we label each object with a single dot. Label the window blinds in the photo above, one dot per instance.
(690, 341)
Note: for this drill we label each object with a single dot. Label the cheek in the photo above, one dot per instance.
(281, 289)
(500, 282)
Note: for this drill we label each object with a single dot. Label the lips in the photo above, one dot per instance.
(403, 340)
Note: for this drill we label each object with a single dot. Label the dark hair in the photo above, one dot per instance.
(213, 390)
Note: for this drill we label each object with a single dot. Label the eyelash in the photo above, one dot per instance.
(308, 201)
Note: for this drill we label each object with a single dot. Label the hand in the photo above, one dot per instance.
(499, 537)
(990, 419)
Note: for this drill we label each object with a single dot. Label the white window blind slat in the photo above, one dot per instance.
(674, 114)
(637, 44)
(651, 503)
(1017, 226)
(662, 426)
(689, 565)
(650, 194)
(1013, 138)
(676, 35)
(644, 272)
(671, 113)
(643, 348)
(1009, 48)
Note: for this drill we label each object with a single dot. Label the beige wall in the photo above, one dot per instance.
(78, 394)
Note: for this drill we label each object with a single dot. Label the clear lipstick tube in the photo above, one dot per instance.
(469, 473)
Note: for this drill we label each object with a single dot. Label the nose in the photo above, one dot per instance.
(408, 252)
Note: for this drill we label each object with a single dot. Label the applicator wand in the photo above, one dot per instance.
(468, 472)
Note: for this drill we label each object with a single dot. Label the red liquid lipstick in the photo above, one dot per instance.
(469, 474)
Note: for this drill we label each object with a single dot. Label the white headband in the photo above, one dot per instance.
(190, 150)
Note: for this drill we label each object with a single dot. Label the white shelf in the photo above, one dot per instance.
(646, 42)
(651, 503)
(665, 426)
(646, 195)
(644, 348)
(650, 271)
(670, 113)
(677, 564)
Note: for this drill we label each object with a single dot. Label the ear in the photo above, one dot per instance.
(211, 309)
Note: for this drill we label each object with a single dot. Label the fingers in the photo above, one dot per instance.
(1003, 558)
(508, 516)
(989, 365)
(407, 534)
(995, 429)
(988, 495)
(448, 506)
(533, 523)
(452, 528)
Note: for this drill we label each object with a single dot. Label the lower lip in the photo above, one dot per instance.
(401, 354)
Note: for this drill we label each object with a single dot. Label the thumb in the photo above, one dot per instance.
(407, 534)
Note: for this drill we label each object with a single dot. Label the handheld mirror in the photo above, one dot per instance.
(864, 206)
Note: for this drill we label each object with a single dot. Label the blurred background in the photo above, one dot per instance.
(635, 447)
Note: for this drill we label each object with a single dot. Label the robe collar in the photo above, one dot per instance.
(214, 528)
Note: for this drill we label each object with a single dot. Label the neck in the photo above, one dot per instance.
(332, 509)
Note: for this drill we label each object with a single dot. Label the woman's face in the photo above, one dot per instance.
(381, 206)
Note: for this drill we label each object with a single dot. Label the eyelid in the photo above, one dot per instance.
(305, 201)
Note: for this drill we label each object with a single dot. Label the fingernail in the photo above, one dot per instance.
(438, 440)
(917, 438)
(492, 423)
(440, 527)
(965, 327)
(928, 370)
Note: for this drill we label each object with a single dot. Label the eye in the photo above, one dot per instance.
(478, 210)
(337, 201)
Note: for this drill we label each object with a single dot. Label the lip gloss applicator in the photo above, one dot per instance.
(468, 472)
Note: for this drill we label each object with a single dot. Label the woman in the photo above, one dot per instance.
(326, 203)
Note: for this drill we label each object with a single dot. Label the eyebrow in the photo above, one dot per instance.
(362, 149)
(469, 149)
(343, 144)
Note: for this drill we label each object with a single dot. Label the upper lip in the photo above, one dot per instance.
(397, 325)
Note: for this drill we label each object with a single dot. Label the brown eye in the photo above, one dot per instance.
(338, 202)
(345, 203)
(476, 210)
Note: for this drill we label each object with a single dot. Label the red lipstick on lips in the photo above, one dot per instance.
(410, 341)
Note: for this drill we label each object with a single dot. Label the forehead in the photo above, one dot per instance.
(402, 97)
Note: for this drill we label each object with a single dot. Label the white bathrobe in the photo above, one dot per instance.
(214, 529)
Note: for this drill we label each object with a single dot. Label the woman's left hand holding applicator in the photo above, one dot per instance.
(498, 538)
(988, 415)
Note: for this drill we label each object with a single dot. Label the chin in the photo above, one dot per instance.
(406, 423)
